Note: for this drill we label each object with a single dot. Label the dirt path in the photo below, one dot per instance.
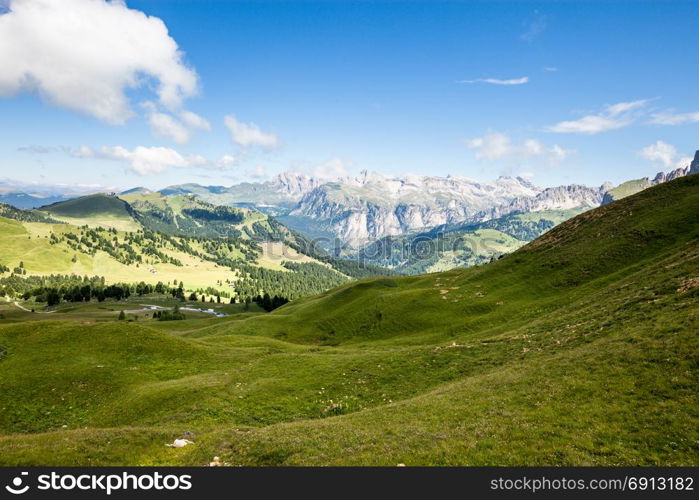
(28, 310)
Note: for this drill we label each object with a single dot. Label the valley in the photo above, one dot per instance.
(312, 239)
(579, 348)
(235, 253)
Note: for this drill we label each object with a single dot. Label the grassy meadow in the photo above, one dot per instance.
(580, 348)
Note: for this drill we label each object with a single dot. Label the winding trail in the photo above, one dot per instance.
(27, 310)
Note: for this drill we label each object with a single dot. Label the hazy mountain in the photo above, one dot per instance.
(372, 206)
(276, 196)
(26, 195)
(573, 196)
(136, 190)
(27, 201)
(352, 211)
(349, 212)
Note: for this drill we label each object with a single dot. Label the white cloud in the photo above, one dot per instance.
(497, 146)
(550, 69)
(665, 154)
(143, 160)
(621, 108)
(534, 27)
(497, 81)
(82, 152)
(612, 117)
(166, 126)
(660, 152)
(558, 153)
(83, 55)
(588, 125)
(671, 118)
(249, 134)
(332, 169)
(491, 146)
(258, 172)
(194, 121)
(37, 149)
(225, 161)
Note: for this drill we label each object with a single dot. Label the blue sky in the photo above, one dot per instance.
(561, 92)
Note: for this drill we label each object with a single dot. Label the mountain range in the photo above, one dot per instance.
(347, 213)
(350, 212)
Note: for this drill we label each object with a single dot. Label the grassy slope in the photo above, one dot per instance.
(28, 242)
(10, 212)
(95, 204)
(96, 209)
(270, 257)
(580, 348)
(176, 204)
(628, 188)
(461, 245)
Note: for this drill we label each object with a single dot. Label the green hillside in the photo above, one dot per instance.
(89, 206)
(578, 349)
(625, 189)
(231, 267)
(461, 245)
(234, 253)
(10, 212)
(94, 210)
(189, 216)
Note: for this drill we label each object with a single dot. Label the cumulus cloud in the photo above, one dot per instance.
(665, 154)
(497, 146)
(660, 152)
(143, 160)
(81, 152)
(167, 126)
(332, 169)
(249, 135)
(497, 81)
(611, 117)
(83, 55)
(194, 121)
(225, 161)
(491, 146)
(257, 172)
(558, 153)
(672, 118)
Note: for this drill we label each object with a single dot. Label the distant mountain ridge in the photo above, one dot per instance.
(349, 212)
(29, 201)
(278, 195)
(356, 210)
(250, 235)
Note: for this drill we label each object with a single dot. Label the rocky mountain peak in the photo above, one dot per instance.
(694, 166)
(294, 184)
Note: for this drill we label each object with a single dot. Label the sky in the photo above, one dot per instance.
(154, 93)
